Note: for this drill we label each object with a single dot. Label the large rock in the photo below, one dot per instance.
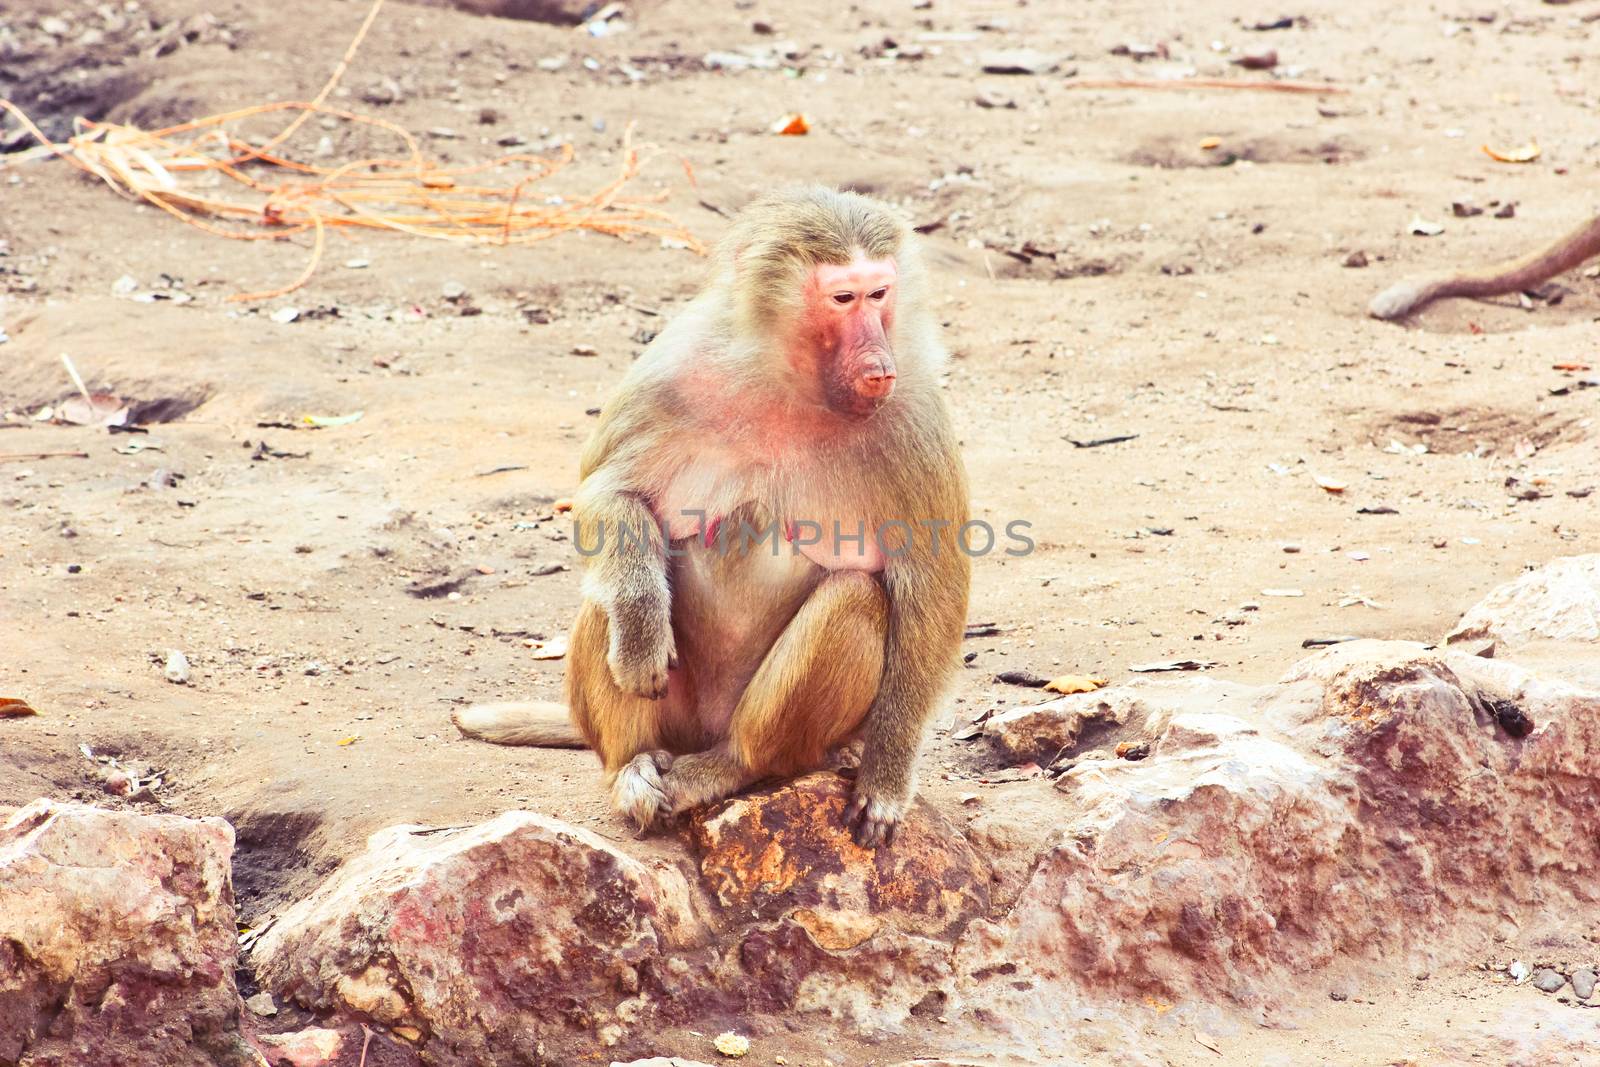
(1384, 805)
(117, 940)
(863, 935)
(501, 943)
(1557, 602)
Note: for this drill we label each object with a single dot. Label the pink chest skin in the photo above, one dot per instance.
(839, 553)
(845, 552)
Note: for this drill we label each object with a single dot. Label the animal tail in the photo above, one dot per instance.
(1402, 298)
(540, 723)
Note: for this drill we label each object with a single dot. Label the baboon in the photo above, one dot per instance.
(771, 505)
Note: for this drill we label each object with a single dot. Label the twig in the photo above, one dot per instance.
(72, 372)
(366, 1039)
(1204, 83)
(43, 455)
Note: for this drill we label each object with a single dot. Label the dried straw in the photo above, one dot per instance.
(180, 169)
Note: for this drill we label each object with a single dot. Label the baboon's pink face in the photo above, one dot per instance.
(843, 337)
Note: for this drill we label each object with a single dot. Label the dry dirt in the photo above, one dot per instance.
(1101, 274)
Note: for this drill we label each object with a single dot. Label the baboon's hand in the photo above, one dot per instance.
(872, 819)
(642, 646)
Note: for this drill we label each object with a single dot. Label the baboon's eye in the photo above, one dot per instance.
(843, 298)
(879, 294)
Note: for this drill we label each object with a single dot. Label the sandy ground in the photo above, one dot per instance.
(1100, 274)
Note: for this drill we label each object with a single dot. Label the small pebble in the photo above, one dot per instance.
(262, 1004)
(177, 668)
(585, 350)
(1548, 981)
(1518, 971)
(1583, 981)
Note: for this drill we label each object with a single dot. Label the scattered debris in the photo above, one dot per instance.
(15, 708)
(1257, 60)
(1324, 642)
(793, 124)
(177, 669)
(1173, 665)
(1026, 679)
(731, 1044)
(1018, 61)
(1074, 683)
(1524, 154)
(1099, 441)
(1423, 228)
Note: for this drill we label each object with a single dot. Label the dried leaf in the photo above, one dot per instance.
(15, 708)
(1332, 485)
(322, 421)
(792, 125)
(1569, 366)
(1208, 1041)
(562, 506)
(1074, 683)
(100, 409)
(731, 1044)
(346, 742)
(1525, 154)
(1173, 665)
(1210, 142)
(555, 648)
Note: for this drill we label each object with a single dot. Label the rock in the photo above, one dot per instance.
(1367, 807)
(661, 1061)
(176, 670)
(1583, 981)
(262, 1004)
(1547, 981)
(861, 934)
(1518, 971)
(1557, 602)
(117, 939)
(1042, 732)
(488, 938)
(1018, 61)
(786, 853)
(1356, 259)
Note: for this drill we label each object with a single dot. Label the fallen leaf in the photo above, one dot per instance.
(1160, 1007)
(1074, 683)
(562, 506)
(731, 1044)
(1210, 142)
(100, 409)
(346, 742)
(792, 125)
(323, 421)
(1526, 154)
(1569, 366)
(1208, 1041)
(1173, 665)
(1332, 485)
(555, 648)
(15, 708)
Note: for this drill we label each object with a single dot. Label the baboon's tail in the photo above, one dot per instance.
(1513, 276)
(540, 723)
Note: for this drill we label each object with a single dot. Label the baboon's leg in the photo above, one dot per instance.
(630, 733)
(811, 693)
